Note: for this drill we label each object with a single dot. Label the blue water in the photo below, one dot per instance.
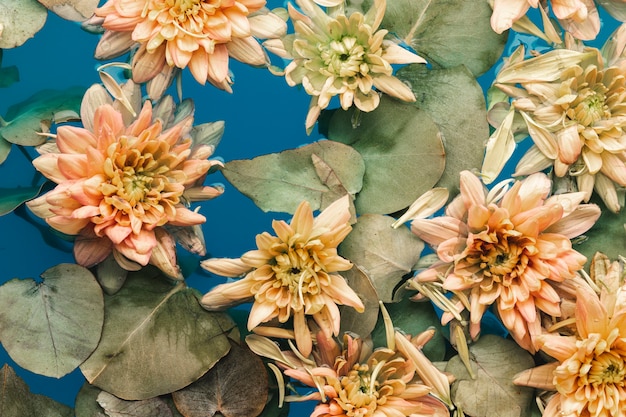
(263, 115)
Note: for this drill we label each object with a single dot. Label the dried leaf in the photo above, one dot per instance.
(402, 149)
(237, 386)
(385, 254)
(156, 339)
(495, 361)
(17, 400)
(76, 10)
(51, 327)
(20, 20)
(281, 181)
(115, 407)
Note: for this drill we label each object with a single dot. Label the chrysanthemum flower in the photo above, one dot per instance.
(292, 274)
(507, 250)
(590, 367)
(199, 34)
(579, 17)
(576, 118)
(339, 55)
(119, 185)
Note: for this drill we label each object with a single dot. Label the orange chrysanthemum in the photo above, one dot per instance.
(119, 185)
(199, 34)
(507, 251)
(292, 274)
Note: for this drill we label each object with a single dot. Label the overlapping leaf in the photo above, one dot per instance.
(51, 327)
(20, 20)
(11, 198)
(156, 339)
(351, 320)
(77, 10)
(316, 172)
(402, 149)
(385, 254)
(608, 235)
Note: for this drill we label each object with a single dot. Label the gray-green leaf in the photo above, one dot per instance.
(20, 20)
(11, 198)
(51, 327)
(156, 339)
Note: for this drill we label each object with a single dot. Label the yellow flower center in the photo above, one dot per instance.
(608, 368)
(344, 58)
(589, 107)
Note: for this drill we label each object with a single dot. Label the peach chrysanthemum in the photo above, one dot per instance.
(338, 55)
(292, 274)
(119, 184)
(576, 117)
(199, 34)
(507, 250)
(579, 17)
(590, 366)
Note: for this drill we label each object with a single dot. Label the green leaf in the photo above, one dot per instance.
(5, 148)
(447, 33)
(51, 327)
(608, 235)
(385, 254)
(351, 320)
(86, 404)
(11, 198)
(115, 407)
(237, 386)
(495, 361)
(402, 149)
(17, 400)
(9, 76)
(414, 318)
(455, 101)
(281, 181)
(28, 119)
(156, 339)
(76, 10)
(20, 20)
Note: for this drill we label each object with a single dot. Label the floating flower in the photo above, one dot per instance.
(579, 17)
(590, 366)
(575, 113)
(359, 381)
(119, 185)
(292, 274)
(507, 248)
(199, 34)
(345, 56)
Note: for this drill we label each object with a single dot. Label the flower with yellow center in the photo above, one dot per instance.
(199, 34)
(119, 185)
(576, 117)
(338, 55)
(590, 369)
(292, 274)
(507, 248)
(579, 17)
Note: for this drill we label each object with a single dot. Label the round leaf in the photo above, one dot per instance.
(77, 10)
(608, 235)
(37, 113)
(156, 339)
(20, 20)
(115, 407)
(237, 386)
(17, 400)
(320, 173)
(86, 404)
(447, 33)
(495, 361)
(351, 320)
(11, 198)
(385, 254)
(402, 149)
(453, 98)
(51, 327)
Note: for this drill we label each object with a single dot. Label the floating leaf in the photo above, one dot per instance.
(35, 115)
(116, 407)
(76, 10)
(281, 181)
(156, 339)
(413, 318)
(608, 235)
(11, 198)
(495, 361)
(402, 149)
(351, 320)
(20, 20)
(17, 400)
(447, 33)
(86, 404)
(9, 76)
(455, 101)
(385, 254)
(236, 386)
(51, 327)
(5, 148)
